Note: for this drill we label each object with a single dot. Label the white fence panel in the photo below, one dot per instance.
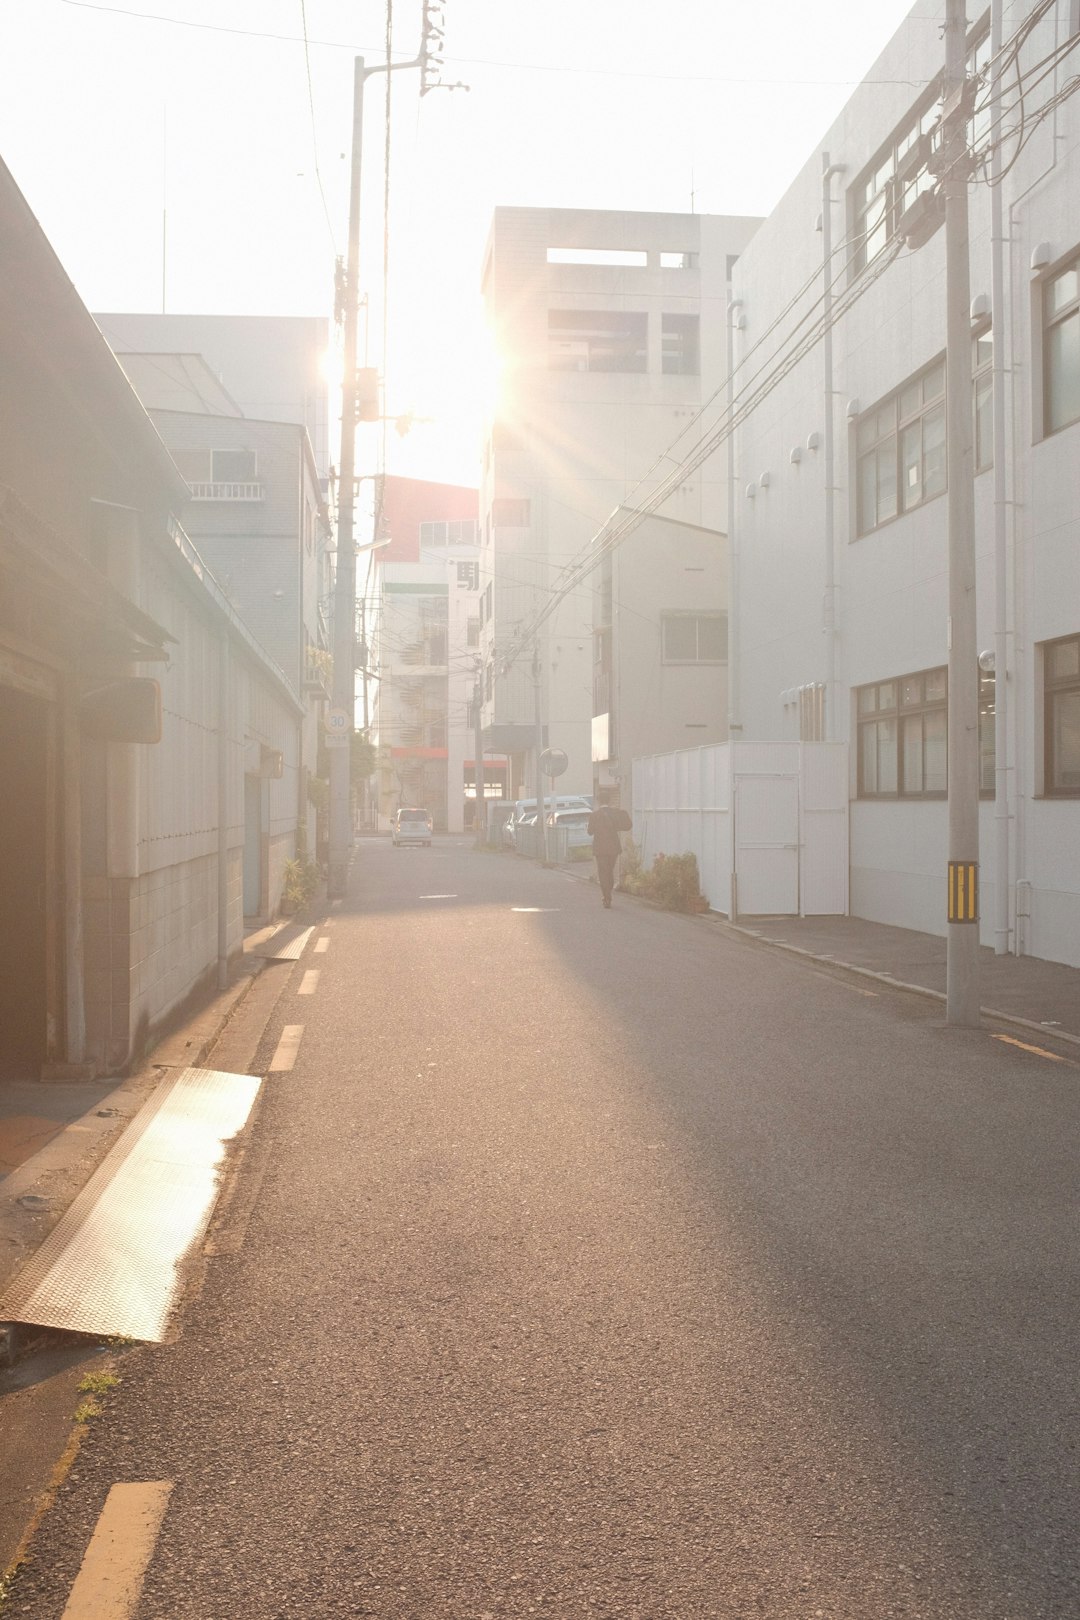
(685, 801)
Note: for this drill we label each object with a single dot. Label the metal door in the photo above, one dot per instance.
(253, 797)
(767, 845)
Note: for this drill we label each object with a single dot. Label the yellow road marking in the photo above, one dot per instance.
(287, 1048)
(114, 1565)
(1039, 1051)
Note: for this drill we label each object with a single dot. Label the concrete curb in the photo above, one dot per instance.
(993, 1013)
(52, 1178)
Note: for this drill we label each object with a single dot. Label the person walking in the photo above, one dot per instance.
(606, 848)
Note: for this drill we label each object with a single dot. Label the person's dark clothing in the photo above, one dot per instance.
(607, 847)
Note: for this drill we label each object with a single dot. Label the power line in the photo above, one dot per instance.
(314, 131)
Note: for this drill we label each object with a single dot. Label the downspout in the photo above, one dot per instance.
(829, 602)
(1022, 564)
(223, 813)
(734, 322)
(1001, 663)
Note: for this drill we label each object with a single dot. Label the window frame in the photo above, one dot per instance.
(900, 711)
(1052, 322)
(607, 351)
(1053, 689)
(232, 478)
(687, 617)
(902, 425)
(683, 359)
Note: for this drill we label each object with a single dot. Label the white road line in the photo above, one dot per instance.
(322, 944)
(309, 983)
(114, 1565)
(287, 1048)
(535, 908)
(438, 897)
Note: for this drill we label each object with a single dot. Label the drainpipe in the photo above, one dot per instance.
(223, 813)
(735, 322)
(829, 603)
(74, 962)
(1001, 663)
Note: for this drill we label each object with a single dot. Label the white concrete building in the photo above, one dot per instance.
(610, 331)
(877, 679)
(422, 620)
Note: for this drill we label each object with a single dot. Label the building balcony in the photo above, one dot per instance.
(230, 491)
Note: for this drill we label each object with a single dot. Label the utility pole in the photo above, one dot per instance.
(480, 813)
(962, 958)
(538, 749)
(344, 682)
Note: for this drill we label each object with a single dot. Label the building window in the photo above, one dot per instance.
(982, 387)
(1061, 697)
(903, 746)
(233, 467)
(468, 575)
(900, 171)
(489, 599)
(463, 532)
(596, 340)
(1061, 348)
(510, 514)
(472, 632)
(900, 446)
(903, 736)
(694, 638)
(678, 261)
(679, 345)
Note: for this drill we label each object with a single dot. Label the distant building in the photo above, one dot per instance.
(610, 332)
(885, 688)
(274, 367)
(422, 637)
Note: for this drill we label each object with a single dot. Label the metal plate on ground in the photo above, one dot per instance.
(285, 946)
(112, 1264)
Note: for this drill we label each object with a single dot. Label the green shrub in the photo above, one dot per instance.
(673, 882)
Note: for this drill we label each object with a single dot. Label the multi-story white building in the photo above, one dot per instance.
(420, 650)
(843, 625)
(611, 335)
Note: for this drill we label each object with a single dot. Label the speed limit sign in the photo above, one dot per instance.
(336, 722)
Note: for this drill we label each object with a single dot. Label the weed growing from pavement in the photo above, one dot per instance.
(97, 1383)
(87, 1410)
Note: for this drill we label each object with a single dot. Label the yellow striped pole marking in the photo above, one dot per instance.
(114, 1565)
(963, 891)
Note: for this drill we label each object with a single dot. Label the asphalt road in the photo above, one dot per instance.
(598, 1263)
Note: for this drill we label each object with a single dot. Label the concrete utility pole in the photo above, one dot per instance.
(344, 682)
(480, 813)
(962, 959)
(538, 749)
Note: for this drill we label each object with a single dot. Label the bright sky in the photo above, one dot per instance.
(110, 112)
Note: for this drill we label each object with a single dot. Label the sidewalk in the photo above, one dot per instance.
(1041, 995)
(54, 1134)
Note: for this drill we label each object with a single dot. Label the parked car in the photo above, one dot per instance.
(526, 808)
(411, 826)
(575, 824)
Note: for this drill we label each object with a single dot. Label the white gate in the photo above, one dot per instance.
(768, 823)
(767, 845)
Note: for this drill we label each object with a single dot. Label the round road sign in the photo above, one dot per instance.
(553, 762)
